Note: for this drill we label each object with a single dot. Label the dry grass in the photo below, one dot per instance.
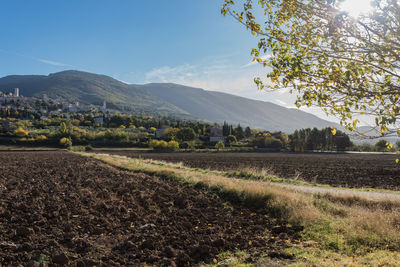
(344, 225)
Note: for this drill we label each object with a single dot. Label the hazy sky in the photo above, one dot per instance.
(182, 41)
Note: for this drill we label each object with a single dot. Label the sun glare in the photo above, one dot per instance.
(356, 7)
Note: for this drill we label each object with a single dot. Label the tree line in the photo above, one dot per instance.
(314, 139)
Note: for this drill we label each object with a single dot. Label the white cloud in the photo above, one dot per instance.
(45, 61)
(170, 74)
(54, 63)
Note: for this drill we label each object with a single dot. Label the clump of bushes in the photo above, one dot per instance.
(268, 142)
(41, 138)
(66, 142)
(365, 147)
(187, 145)
(163, 145)
(384, 146)
(21, 132)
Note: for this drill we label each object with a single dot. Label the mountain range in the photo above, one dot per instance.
(163, 99)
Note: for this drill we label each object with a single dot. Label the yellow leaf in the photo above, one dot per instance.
(333, 130)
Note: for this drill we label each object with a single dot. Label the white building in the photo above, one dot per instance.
(16, 92)
(216, 134)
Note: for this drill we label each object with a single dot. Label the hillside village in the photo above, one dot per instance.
(45, 106)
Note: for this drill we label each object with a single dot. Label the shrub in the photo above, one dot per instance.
(20, 132)
(219, 145)
(382, 145)
(163, 145)
(366, 148)
(154, 144)
(66, 142)
(268, 142)
(187, 145)
(173, 145)
(41, 138)
(398, 145)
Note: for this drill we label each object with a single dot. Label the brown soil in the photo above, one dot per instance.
(58, 208)
(347, 170)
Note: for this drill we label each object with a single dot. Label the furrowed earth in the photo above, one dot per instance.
(347, 170)
(58, 208)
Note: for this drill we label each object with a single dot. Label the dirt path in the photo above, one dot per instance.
(346, 192)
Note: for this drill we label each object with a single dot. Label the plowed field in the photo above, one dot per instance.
(347, 170)
(64, 209)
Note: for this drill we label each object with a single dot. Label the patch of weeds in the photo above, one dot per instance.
(329, 207)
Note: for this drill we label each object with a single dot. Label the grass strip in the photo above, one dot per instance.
(338, 230)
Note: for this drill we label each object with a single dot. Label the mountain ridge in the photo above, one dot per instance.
(164, 98)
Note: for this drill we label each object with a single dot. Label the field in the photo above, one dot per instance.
(346, 170)
(62, 208)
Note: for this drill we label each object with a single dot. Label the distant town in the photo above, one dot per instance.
(46, 106)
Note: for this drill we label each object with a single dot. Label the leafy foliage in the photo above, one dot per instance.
(345, 65)
(314, 139)
(163, 145)
(383, 145)
(186, 134)
(66, 142)
(20, 132)
(220, 145)
(267, 141)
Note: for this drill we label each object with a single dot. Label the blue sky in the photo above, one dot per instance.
(124, 38)
(182, 41)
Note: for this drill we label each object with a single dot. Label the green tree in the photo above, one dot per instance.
(342, 142)
(238, 132)
(247, 132)
(185, 134)
(170, 134)
(345, 65)
(383, 145)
